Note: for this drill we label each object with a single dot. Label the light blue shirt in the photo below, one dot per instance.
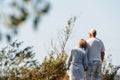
(95, 47)
(77, 57)
(76, 62)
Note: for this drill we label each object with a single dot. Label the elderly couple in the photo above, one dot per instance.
(88, 57)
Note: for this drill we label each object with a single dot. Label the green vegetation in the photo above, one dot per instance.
(110, 72)
(18, 63)
(16, 13)
(14, 59)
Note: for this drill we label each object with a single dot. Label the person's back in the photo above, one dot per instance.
(95, 47)
(77, 56)
(77, 61)
(95, 56)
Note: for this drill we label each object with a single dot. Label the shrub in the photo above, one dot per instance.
(109, 70)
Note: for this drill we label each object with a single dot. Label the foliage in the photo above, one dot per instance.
(54, 66)
(14, 60)
(109, 70)
(16, 12)
(18, 63)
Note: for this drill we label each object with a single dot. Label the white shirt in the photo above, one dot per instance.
(95, 47)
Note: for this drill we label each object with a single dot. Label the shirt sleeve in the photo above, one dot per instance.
(69, 59)
(102, 47)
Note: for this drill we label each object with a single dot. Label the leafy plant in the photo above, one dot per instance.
(14, 60)
(109, 70)
(54, 66)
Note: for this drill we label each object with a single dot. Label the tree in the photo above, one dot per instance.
(14, 60)
(17, 12)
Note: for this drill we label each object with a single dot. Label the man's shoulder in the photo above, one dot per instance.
(99, 40)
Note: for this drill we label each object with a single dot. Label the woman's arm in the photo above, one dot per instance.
(69, 59)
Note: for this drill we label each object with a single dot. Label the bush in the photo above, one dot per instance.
(15, 60)
(109, 70)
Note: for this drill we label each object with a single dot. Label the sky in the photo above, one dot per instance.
(103, 15)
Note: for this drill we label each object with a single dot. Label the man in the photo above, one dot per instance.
(95, 56)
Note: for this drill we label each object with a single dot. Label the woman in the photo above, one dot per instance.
(77, 61)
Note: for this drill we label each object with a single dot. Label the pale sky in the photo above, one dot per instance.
(103, 15)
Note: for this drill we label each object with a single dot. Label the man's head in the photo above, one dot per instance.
(92, 33)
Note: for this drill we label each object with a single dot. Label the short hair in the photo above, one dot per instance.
(93, 32)
(83, 44)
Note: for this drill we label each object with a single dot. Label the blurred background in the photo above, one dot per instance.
(37, 22)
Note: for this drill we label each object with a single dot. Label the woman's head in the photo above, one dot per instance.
(83, 44)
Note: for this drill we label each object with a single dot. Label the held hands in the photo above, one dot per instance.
(102, 56)
(85, 68)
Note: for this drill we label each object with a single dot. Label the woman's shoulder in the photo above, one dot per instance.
(77, 49)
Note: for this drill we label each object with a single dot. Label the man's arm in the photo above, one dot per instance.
(102, 56)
